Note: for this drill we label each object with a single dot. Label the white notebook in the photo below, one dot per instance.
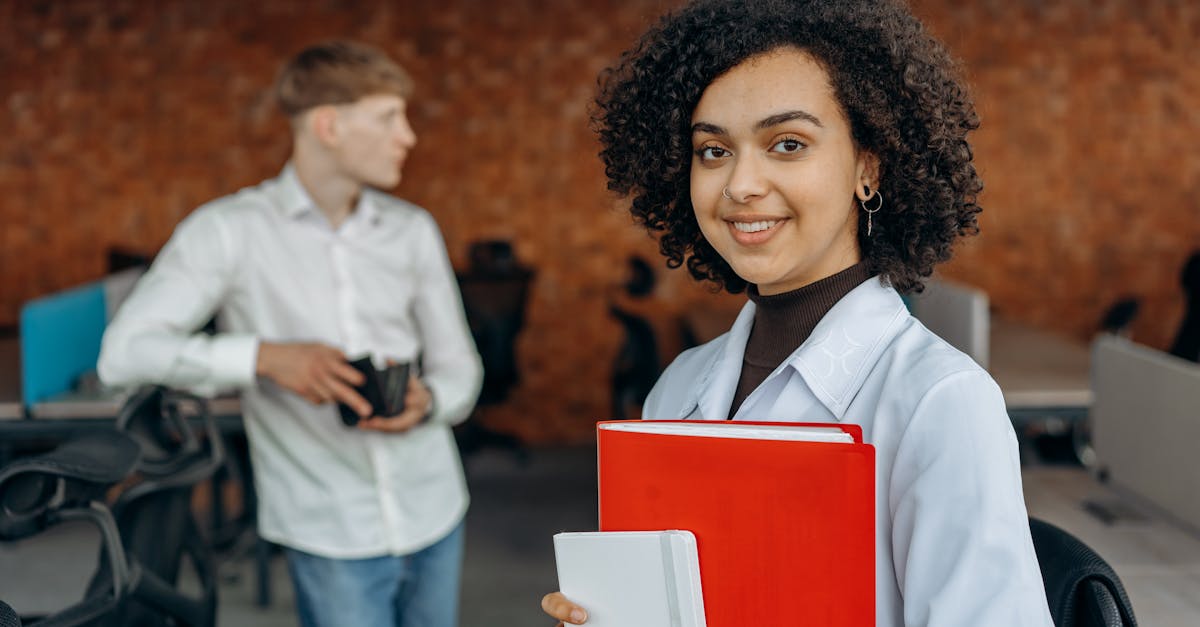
(632, 578)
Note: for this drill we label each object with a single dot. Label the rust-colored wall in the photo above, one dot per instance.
(1089, 152)
(121, 116)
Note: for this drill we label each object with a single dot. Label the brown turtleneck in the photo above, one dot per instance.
(782, 322)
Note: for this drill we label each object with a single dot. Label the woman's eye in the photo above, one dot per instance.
(788, 146)
(711, 152)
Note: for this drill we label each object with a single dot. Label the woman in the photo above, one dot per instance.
(814, 154)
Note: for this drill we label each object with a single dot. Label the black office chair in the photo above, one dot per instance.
(1187, 339)
(154, 516)
(639, 361)
(1081, 588)
(149, 532)
(68, 484)
(8, 617)
(1118, 318)
(495, 292)
(636, 367)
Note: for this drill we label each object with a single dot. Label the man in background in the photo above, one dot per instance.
(304, 271)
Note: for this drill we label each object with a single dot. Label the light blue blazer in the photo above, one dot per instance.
(952, 538)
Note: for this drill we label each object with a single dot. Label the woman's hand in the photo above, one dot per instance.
(556, 605)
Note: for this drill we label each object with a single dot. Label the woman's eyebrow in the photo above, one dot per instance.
(765, 123)
(788, 116)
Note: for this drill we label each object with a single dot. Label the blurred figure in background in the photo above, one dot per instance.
(302, 271)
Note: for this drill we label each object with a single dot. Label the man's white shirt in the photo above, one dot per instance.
(270, 265)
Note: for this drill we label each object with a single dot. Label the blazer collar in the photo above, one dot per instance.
(834, 361)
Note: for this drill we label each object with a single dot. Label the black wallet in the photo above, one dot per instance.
(383, 388)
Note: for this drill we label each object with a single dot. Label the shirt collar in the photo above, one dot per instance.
(294, 201)
(834, 361)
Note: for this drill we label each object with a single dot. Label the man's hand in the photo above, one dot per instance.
(417, 403)
(317, 372)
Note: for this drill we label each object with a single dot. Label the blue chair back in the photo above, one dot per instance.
(61, 333)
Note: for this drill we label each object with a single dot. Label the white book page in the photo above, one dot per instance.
(706, 429)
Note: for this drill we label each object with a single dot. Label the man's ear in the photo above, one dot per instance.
(868, 174)
(322, 122)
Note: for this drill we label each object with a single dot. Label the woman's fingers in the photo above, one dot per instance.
(557, 606)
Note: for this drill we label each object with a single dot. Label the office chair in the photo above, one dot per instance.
(495, 292)
(636, 367)
(68, 484)
(1081, 588)
(148, 533)
(8, 617)
(1187, 339)
(1120, 316)
(154, 516)
(653, 335)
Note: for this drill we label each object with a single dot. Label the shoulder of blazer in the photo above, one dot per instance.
(676, 393)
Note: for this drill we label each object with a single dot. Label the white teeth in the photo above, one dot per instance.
(754, 227)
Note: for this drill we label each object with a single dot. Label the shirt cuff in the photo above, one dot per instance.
(233, 358)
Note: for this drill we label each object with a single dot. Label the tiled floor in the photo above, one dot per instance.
(517, 508)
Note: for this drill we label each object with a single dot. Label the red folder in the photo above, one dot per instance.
(785, 529)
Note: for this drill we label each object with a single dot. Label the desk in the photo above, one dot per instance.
(1046, 381)
(1039, 371)
(73, 406)
(106, 405)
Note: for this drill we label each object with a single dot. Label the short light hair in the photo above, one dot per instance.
(338, 72)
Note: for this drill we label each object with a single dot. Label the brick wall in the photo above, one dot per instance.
(120, 116)
(1091, 118)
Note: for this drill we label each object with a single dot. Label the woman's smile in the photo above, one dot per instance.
(753, 230)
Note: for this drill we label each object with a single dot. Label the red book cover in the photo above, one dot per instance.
(785, 529)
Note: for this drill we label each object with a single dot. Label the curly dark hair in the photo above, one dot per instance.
(897, 85)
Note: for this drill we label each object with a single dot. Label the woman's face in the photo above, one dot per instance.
(771, 132)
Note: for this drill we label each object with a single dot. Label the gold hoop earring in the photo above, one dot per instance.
(871, 212)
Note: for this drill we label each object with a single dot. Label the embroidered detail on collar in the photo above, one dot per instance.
(837, 352)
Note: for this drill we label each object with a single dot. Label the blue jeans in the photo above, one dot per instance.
(416, 590)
